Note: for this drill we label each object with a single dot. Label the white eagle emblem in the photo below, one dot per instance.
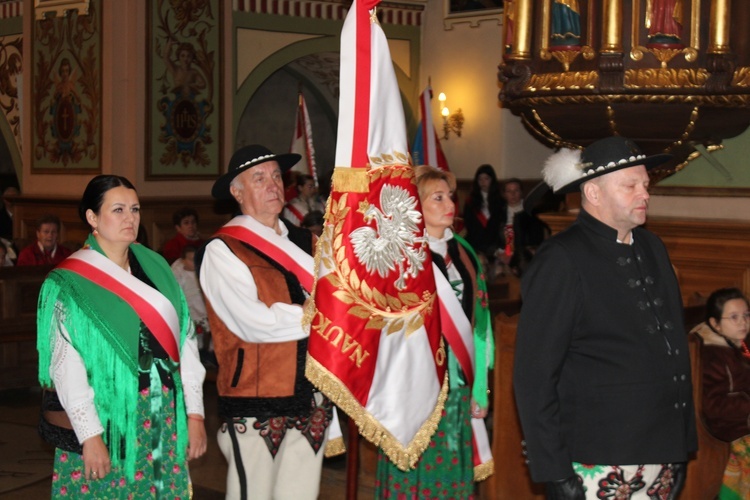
(392, 244)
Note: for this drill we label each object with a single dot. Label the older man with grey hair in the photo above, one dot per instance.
(256, 273)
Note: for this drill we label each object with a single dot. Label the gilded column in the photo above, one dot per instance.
(612, 26)
(523, 29)
(718, 31)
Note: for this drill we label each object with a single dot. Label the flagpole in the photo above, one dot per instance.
(352, 461)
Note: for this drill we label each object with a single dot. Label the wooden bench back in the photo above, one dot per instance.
(706, 470)
(19, 293)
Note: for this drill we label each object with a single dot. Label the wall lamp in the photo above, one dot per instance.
(451, 122)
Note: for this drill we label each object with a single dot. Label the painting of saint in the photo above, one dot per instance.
(186, 80)
(65, 109)
(66, 96)
(184, 115)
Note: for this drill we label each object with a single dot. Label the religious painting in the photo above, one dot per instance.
(66, 66)
(11, 63)
(184, 109)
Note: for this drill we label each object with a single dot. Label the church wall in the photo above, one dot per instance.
(123, 53)
(461, 61)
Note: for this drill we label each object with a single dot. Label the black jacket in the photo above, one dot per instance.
(602, 369)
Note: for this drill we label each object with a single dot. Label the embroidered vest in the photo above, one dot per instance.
(262, 380)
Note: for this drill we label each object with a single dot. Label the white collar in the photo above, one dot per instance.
(52, 253)
(440, 245)
(632, 239)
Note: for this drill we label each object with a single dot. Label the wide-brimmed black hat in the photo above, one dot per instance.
(567, 169)
(245, 158)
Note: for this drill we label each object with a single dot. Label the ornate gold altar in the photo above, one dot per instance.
(670, 74)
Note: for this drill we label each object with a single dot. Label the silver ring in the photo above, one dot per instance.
(94, 473)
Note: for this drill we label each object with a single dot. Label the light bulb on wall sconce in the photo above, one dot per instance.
(451, 122)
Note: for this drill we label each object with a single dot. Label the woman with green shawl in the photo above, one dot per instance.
(119, 359)
(458, 452)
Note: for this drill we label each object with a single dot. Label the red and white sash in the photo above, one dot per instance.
(266, 240)
(459, 334)
(154, 309)
(290, 256)
(295, 212)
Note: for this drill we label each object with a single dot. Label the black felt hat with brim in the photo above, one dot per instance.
(567, 169)
(246, 158)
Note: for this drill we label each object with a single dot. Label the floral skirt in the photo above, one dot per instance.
(737, 473)
(446, 469)
(158, 472)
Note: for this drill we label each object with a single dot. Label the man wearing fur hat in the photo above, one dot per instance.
(602, 371)
(256, 273)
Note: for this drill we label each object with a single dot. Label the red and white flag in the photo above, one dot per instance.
(375, 346)
(426, 149)
(302, 142)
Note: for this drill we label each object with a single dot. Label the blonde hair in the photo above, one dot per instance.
(426, 174)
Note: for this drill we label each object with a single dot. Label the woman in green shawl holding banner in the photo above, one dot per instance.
(458, 453)
(118, 355)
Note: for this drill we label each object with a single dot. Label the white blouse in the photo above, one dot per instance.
(440, 247)
(68, 373)
(230, 288)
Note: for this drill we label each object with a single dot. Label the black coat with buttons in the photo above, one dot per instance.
(602, 371)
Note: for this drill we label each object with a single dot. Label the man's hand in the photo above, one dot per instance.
(570, 488)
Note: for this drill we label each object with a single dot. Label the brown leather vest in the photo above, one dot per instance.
(259, 380)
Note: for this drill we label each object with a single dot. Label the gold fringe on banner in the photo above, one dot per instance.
(483, 471)
(404, 458)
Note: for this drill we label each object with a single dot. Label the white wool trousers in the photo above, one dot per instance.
(293, 474)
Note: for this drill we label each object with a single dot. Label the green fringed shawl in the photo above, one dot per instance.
(484, 341)
(104, 330)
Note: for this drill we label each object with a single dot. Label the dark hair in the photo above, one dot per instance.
(717, 300)
(142, 236)
(312, 218)
(513, 180)
(493, 196)
(93, 195)
(48, 219)
(302, 179)
(182, 213)
(186, 250)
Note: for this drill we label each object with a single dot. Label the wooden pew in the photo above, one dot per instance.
(19, 292)
(706, 468)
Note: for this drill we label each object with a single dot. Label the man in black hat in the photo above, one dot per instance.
(256, 274)
(602, 371)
